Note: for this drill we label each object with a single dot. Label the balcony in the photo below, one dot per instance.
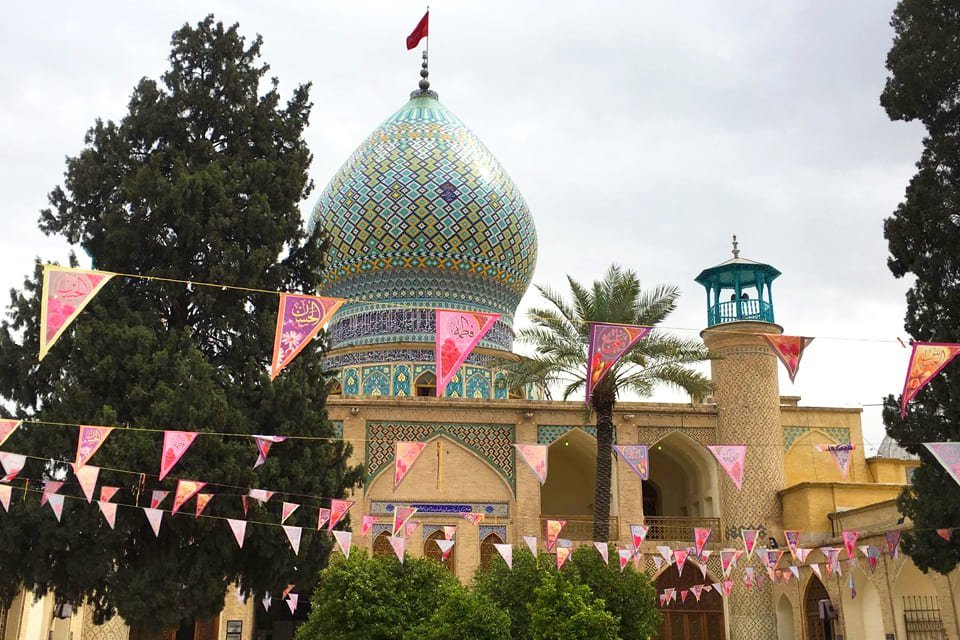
(579, 528)
(675, 528)
(742, 309)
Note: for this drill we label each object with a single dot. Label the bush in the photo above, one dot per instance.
(512, 589)
(564, 610)
(464, 615)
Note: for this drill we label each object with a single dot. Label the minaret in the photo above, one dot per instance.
(744, 373)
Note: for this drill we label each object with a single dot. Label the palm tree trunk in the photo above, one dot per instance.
(603, 406)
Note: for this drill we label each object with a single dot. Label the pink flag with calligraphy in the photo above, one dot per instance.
(637, 457)
(299, 320)
(263, 447)
(109, 511)
(288, 509)
(157, 497)
(323, 517)
(405, 454)
(458, 332)
(154, 517)
(732, 458)
(554, 527)
(445, 547)
(638, 533)
(87, 479)
(12, 464)
(366, 524)
(749, 539)
(89, 440)
(7, 427)
(506, 552)
(927, 359)
(603, 550)
(840, 453)
(948, 455)
(338, 509)
(203, 499)
(344, 540)
(562, 554)
(293, 536)
(6, 491)
(700, 537)
(186, 489)
(793, 539)
(400, 517)
(66, 291)
(239, 529)
(850, 542)
(535, 455)
(608, 343)
(789, 349)
(399, 546)
(175, 444)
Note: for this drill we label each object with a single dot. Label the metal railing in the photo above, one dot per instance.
(749, 309)
(921, 616)
(678, 528)
(579, 528)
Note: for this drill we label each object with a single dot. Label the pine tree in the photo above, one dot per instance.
(924, 240)
(200, 181)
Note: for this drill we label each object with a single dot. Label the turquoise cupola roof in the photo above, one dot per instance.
(749, 285)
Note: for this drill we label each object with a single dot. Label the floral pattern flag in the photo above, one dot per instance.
(344, 540)
(12, 464)
(299, 320)
(338, 509)
(399, 546)
(732, 458)
(450, 532)
(263, 447)
(608, 343)
(637, 457)
(89, 440)
(400, 517)
(727, 558)
(506, 552)
(700, 537)
(66, 291)
(562, 554)
(405, 454)
(749, 539)
(458, 332)
(474, 518)
(927, 359)
(680, 559)
(850, 542)
(789, 349)
(7, 427)
(840, 453)
(186, 489)
(638, 533)
(87, 479)
(947, 454)
(535, 455)
(624, 555)
(203, 499)
(554, 527)
(175, 444)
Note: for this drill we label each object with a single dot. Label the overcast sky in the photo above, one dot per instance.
(641, 133)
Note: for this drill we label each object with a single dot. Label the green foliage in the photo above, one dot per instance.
(378, 597)
(464, 614)
(560, 335)
(565, 610)
(512, 589)
(923, 236)
(200, 181)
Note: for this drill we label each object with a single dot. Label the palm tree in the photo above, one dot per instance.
(560, 335)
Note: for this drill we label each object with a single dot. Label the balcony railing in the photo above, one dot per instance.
(680, 529)
(579, 528)
(734, 310)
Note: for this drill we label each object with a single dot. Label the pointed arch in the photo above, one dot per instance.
(785, 630)
(425, 385)
(381, 545)
(685, 473)
(816, 627)
(432, 551)
(487, 550)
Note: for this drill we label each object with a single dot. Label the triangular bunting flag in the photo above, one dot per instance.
(344, 540)
(789, 349)
(292, 600)
(293, 536)
(87, 478)
(815, 567)
(604, 551)
(246, 505)
(288, 509)
(299, 320)
(873, 555)
(749, 539)
(657, 563)
(107, 493)
(399, 546)
(696, 590)
(474, 518)
(795, 570)
(12, 464)
(535, 455)
(186, 489)
(840, 453)
(457, 333)
(203, 499)
(400, 517)
(338, 509)
(679, 559)
(531, 542)
(700, 537)
(66, 291)
(562, 554)
(849, 542)
(366, 524)
(409, 528)
(50, 487)
(450, 531)
(7, 427)
(665, 552)
(638, 533)
(683, 595)
(445, 547)
(56, 503)
(89, 440)
(323, 517)
(624, 555)
(260, 495)
(732, 458)
(405, 455)
(267, 601)
(608, 343)
(948, 455)
(6, 491)
(637, 457)
(926, 361)
(263, 447)
(154, 517)
(109, 511)
(893, 544)
(554, 527)
(727, 558)
(506, 552)
(853, 589)
(239, 529)
(792, 539)
(802, 554)
(946, 534)
(175, 444)
(157, 497)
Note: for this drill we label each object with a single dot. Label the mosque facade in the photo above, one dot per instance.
(423, 216)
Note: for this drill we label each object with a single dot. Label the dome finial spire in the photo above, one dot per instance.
(424, 85)
(736, 250)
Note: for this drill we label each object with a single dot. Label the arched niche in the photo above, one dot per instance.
(816, 628)
(690, 619)
(863, 616)
(914, 591)
(803, 462)
(685, 475)
(569, 492)
(785, 619)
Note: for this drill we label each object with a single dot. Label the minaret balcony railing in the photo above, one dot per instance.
(737, 310)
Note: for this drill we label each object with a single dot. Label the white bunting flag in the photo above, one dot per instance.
(239, 528)
(344, 539)
(154, 517)
(87, 477)
(531, 542)
(293, 535)
(604, 551)
(399, 545)
(506, 552)
(445, 547)
(56, 503)
(109, 511)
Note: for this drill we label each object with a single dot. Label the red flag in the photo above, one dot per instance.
(421, 31)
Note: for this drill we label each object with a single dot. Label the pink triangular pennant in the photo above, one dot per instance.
(239, 529)
(793, 539)
(409, 528)
(323, 517)
(244, 501)
(293, 536)
(260, 495)
(893, 543)
(840, 453)
(727, 588)
(203, 499)
(679, 559)
(623, 556)
(506, 552)
(457, 333)
(657, 563)
(604, 551)
(700, 537)
(157, 497)
(186, 489)
(749, 539)
(445, 547)
(175, 444)
(292, 600)
(535, 455)
(789, 349)
(299, 319)
(696, 590)
(56, 503)
(263, 447)
(399, 546)
(948, 455)
(608, 343)
(850, 541)
(562, 554)
(802, 554)
(531, 542)
(474, 518)
(727, 558)
(154, 517)
(366, 524)
(66, 291)
(50, 487)
(683, 595)
(344, 540)
(665, 552)
(87, 478)
(637, 457)
(946, 534)
(107, 493)
(109, 511)
(7, 427)
(12, 464)
(400, 517)
(6, 491)
(554, 527)
(815, 567)
(288, 509)
(927, 359)
(89, 440)
(732, 458)
(638, 533)
(405, 455)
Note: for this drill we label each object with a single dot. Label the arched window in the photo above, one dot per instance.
(432, 550)
(426, 385)
(381, 545)
(487, 551)
(817, 628)
(651, 499)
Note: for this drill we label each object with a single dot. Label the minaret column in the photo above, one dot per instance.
(744, 373)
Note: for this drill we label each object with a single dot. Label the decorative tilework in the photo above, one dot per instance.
(792, 434)
(373, 324)
(498, 529)
(478, 382)
(401, 380)
(500, 387)
(455, 387)
(376, 380)
(430, 529)
(492, 509)
(548, 433)
(381, 527)
(351, 382)
(840, 435)
(492, 442)
(378, 356)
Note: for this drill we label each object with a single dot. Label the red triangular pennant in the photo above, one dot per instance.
(405, 454)
(608, 343)
(927, 359)
(175, 444)
(789, 349)
(66, 291)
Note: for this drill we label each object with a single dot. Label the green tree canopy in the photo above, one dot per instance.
(923, 236)
(565, 610)
(560, 337)
(199, 181)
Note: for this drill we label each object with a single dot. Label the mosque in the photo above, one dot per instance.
(423, 216)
